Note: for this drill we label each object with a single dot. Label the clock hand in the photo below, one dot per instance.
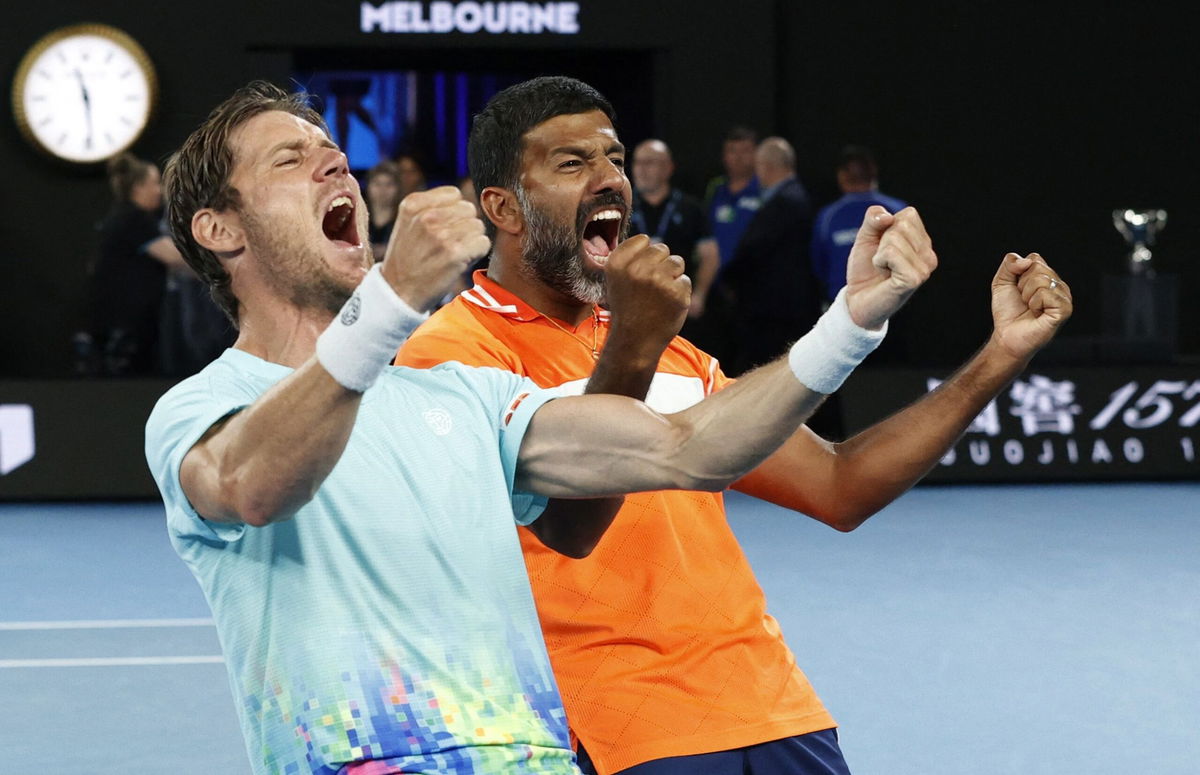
(87, 107)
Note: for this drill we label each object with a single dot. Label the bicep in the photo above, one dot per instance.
(595, 445)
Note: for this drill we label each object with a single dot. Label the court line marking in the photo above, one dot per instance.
(110, 662)
(104, 624)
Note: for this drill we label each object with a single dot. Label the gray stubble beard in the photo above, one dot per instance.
(551, 253)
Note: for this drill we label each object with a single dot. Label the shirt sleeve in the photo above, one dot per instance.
(178, 421)
(523, 399)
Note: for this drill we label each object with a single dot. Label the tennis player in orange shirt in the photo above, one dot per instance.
(666, 657)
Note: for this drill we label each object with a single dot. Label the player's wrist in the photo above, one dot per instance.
(365, 335)
(823, 358)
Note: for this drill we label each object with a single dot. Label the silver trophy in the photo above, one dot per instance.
(1139, 228)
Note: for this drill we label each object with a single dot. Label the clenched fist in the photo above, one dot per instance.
(892, 257)
(436, 238)
(1029, 303)
(648, 292)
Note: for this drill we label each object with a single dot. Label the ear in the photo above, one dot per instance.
(501, 207)
(220, 232)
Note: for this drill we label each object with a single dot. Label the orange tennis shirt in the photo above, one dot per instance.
(660, 639)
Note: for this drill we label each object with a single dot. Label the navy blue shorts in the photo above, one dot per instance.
(816, 753)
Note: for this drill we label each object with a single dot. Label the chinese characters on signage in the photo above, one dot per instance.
(1055, 427)
(1060, 424)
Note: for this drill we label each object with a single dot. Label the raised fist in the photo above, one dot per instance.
(436, 238)
(648, 292)
(892, 257)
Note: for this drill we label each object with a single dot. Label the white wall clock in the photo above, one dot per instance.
(84, 93)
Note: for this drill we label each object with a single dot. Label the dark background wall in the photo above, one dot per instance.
(1010, 126)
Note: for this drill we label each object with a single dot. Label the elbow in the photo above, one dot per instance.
(252, 503)
(845, 519)
(705, 483)
(846, 524)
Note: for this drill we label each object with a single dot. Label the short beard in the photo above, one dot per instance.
(293, 268)
(552, 251)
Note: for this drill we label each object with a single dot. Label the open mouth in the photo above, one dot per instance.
(339, 223)
(600, 233)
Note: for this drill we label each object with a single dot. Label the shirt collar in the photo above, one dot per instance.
(493, 297)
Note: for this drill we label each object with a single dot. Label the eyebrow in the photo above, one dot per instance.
(575, 150)
(298, 145)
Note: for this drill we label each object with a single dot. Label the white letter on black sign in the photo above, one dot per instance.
(468, 17)
(16, 436)
(372, 17)
(981, 452)
(1134, 452)
(441, 17)
(1047, 455)
(1014, 453)
(1100, 452)
(568, 22)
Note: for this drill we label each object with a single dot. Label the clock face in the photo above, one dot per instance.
(85, 93)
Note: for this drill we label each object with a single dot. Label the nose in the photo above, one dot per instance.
(331, 162)
(608, 177)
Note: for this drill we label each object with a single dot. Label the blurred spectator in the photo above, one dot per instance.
(466, 187)
(383, 198)
(733, 198)
(768, 279)
(129, 278)
(412, 174)
(836, 224)
(672, 217)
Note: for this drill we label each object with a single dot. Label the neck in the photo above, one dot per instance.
(655, 197)
(280, 332)
(506, 269)
(774, 180)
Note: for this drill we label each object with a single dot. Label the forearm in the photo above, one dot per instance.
(268, 460)
(602, 445)
(734, 430)
(627, 364)
(876, 466)
(626, 367)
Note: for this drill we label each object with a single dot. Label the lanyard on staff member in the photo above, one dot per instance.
(664, 222)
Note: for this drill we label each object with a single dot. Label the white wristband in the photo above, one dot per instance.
(364, 337)
(825, 356)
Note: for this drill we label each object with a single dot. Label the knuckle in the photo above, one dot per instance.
(411, 203)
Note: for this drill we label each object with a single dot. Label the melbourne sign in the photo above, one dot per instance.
(442, 16)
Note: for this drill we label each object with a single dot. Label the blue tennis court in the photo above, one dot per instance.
(988, 630)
